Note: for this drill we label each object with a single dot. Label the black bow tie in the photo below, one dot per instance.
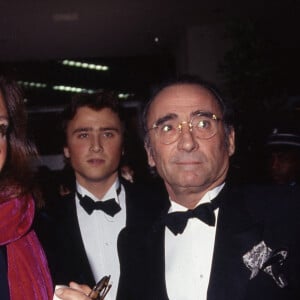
(110, 206)
(177, 221)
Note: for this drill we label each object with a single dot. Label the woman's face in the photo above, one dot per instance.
(3, 131)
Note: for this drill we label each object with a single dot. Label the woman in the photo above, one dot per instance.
(24, 272)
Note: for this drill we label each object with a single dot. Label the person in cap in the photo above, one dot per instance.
(283, 148)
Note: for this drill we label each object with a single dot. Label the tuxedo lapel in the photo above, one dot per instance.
(141, 250)
(142, 261)
(156, 248)
(236, 234)
(75, 256)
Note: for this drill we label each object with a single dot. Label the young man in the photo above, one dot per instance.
(81, 243)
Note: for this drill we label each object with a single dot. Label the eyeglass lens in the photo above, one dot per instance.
(202, 126)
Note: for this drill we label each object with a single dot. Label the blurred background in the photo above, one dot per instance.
(249, 49)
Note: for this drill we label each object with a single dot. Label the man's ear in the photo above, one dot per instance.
(66, 152)
(231, 142)
(149, 151)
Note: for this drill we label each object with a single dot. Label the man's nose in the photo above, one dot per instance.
(275, 162)
(96, 145)
(187, 140)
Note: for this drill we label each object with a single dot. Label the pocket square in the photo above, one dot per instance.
(261, 257)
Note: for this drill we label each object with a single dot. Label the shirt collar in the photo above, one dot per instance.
(111, 193)
(206, 198)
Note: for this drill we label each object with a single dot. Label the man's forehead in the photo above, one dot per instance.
(185, 90)
(182, 111)
(184, 95)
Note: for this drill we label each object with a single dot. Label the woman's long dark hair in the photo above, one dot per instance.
(16, 175)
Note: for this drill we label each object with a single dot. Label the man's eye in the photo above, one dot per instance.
(108, 134)
(203, 124)
(166, 128)
(83, 135)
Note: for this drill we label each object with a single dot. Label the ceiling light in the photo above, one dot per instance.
(32, 84)
(84, 65)
(72, 89)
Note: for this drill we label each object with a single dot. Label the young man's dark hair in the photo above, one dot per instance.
(97, 101)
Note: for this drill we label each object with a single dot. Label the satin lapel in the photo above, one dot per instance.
(142, 260)
(156, 250)
(74, 243)
(236, 234)
(141, 245)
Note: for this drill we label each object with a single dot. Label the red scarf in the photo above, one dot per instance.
(28, 273)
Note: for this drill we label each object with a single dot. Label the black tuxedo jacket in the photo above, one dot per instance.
(59, 233)
(247, 216)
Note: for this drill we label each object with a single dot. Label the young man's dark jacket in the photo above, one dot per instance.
(59, 232)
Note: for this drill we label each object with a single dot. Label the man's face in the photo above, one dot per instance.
(190, 163)
(3, 125)
(94, 145)
(284, 166)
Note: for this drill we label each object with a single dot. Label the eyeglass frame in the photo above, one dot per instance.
(198, 113)
(101, 289)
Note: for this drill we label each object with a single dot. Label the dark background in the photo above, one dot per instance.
(139, 41)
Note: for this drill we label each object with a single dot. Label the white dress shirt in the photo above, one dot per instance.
(188, 256)
(100, 232)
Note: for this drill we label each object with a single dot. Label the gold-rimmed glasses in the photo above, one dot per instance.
(204, 125)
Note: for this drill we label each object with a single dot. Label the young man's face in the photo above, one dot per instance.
(189, 162)
(3, 125)
(94, 145)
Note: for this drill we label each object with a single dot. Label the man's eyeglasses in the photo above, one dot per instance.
(101, 289)
(204, 125)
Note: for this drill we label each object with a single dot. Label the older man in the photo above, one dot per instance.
(210, 240)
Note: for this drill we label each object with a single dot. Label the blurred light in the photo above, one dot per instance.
(84, 65)
(124, 95)
(32, 84)
(72, 89)
(68, 89)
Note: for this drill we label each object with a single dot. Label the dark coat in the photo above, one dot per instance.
(59, 232)
(247, 216)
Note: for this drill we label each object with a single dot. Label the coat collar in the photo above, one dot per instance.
(237, 232)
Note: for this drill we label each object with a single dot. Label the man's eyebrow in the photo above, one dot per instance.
(199, 111)
(165, 118)
(82, 129)
(109, 128)
(89, 129)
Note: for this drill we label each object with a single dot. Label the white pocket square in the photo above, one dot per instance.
(261, 257)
